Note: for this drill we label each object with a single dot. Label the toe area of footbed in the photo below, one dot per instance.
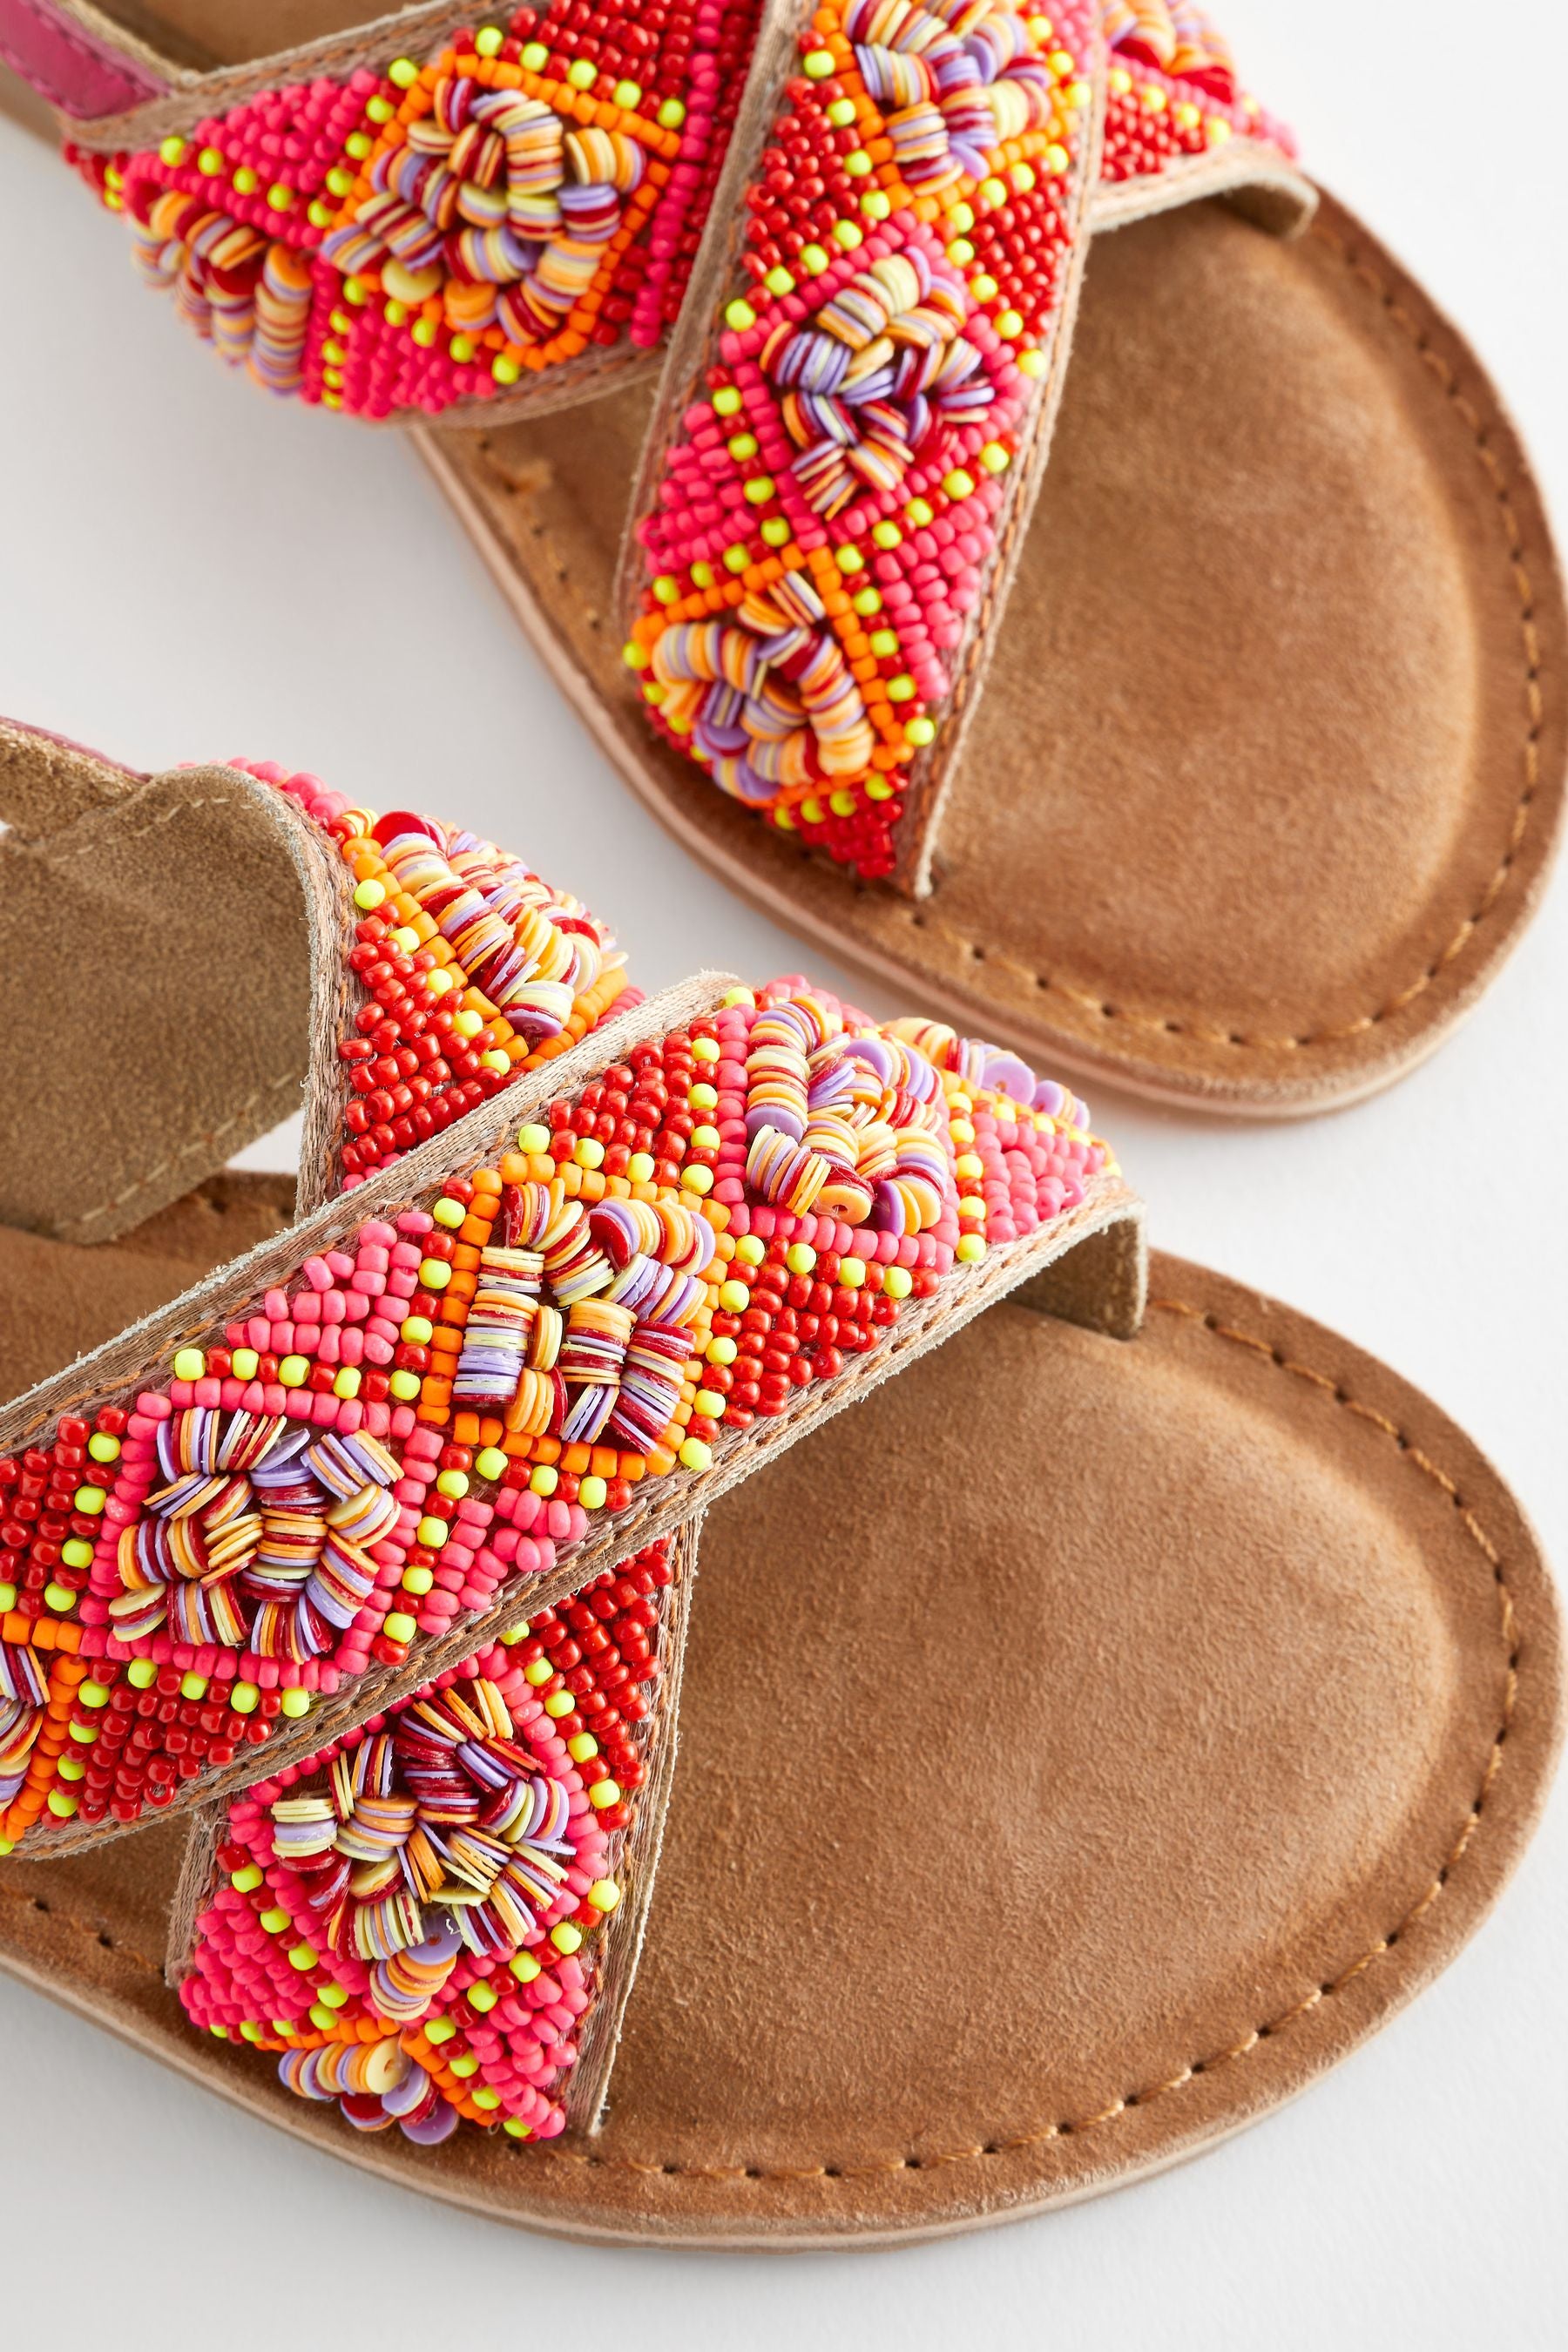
(1084, 1744)
(1272, 754)
(1268, 771)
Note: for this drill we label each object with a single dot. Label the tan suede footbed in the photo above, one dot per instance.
(1084, 1743)
(1269, 766)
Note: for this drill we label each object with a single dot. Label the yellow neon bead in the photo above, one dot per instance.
(435, 1273)
(491, 1462)
(190, 1364)
(294, 1371)
(896, 1282)
(294, 1704)
(566, 1937)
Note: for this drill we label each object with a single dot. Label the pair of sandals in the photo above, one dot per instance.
(1141, 1698)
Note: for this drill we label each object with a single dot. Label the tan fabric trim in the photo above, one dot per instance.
(625, 1932)
(1257, 179)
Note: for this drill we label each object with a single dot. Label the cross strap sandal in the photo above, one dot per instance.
(1081, 1745)
(1270, 630)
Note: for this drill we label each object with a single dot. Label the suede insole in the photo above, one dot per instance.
(1268, 765)
(1084, 1743)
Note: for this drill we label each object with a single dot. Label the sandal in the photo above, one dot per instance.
(346, 1599)
(1281, 651)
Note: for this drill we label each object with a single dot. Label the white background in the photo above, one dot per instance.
(188, 571)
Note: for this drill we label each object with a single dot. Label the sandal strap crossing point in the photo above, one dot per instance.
(479, 1397)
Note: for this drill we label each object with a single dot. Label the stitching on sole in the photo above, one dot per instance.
(1170, 1024)
(1209, 2063)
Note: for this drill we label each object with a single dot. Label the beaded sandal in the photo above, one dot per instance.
(1280, 651)
(345, 1592)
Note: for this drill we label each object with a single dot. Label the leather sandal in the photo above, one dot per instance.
(1081, 1747)
(1213, 742)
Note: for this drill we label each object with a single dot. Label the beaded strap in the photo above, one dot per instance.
(466, 972)
(436, 1917)
(510, 211)
(502, 209)
(528, 1348)
(856, 413)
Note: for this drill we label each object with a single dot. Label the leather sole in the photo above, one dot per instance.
(1085, 1744)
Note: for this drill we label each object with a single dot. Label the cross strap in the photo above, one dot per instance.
(856, 410)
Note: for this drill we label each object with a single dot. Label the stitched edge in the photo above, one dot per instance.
(920, 918)
(1234, 2053)
(198, 1143)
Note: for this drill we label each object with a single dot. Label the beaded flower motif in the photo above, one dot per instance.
(1179, 42)
(402, 1919)
(260, 1539)
(491, 201)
